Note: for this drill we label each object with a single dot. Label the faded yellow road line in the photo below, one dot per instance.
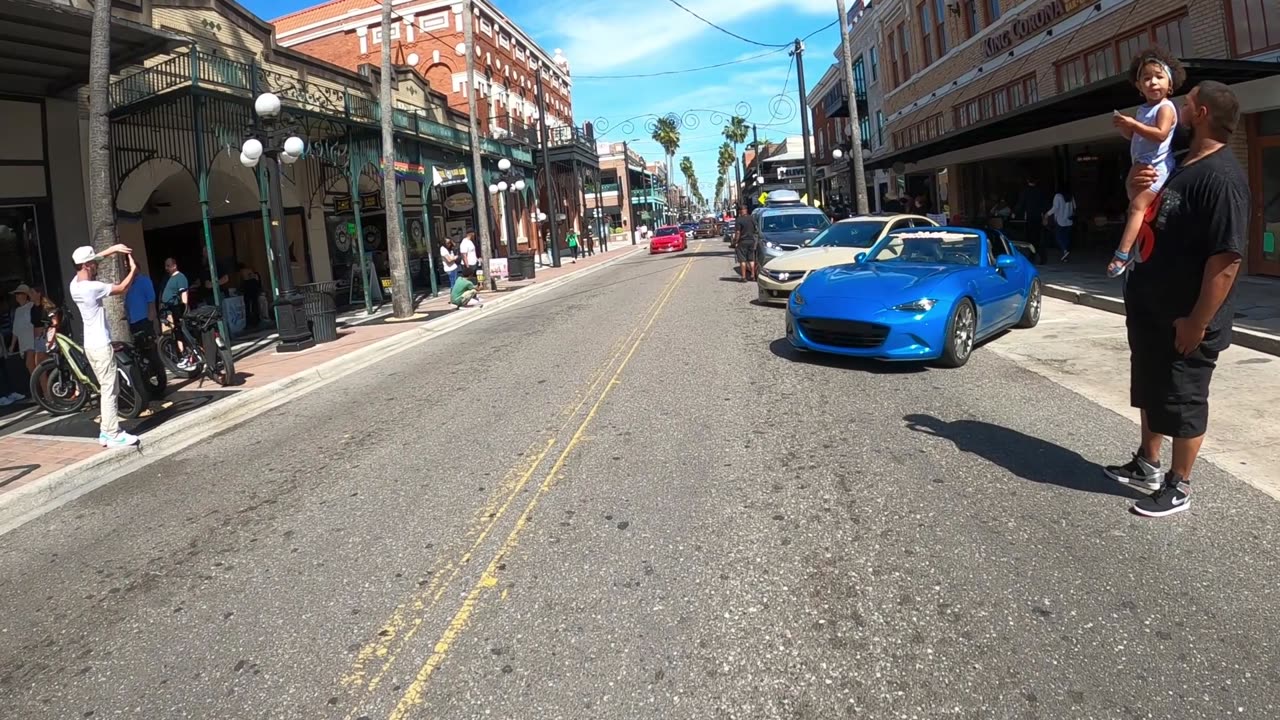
(413, 694)
(408, 616)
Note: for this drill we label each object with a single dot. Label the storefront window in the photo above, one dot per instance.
(1255, 25)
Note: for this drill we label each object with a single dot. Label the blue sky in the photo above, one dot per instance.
(625, 37)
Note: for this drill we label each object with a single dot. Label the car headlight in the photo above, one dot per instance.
(796, 297)
(922, 305)
(769, 244)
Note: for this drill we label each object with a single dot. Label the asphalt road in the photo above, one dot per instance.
(628, 499)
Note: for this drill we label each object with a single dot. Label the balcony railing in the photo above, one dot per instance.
(203, 70)
(568, 136)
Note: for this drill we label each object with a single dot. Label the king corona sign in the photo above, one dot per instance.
(1028, 24)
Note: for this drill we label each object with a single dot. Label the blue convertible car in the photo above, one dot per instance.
(918, 294)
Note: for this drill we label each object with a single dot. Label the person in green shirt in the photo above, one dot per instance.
(463, 293)
(572, 239)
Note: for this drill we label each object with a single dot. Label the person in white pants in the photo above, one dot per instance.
(89, 295)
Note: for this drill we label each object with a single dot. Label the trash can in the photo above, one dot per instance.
(321, 309)
(520, 266)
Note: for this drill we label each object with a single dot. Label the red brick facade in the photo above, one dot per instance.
(348, 33)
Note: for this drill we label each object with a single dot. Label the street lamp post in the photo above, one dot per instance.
(509, 181)
(269, 139)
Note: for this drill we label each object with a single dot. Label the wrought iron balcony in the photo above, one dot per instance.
(836, 101)
(568, 136)
(195, 70)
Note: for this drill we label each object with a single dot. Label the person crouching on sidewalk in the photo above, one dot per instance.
(463, 293)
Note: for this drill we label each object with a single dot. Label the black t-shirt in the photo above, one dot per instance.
(747, 230)
(1202, 211)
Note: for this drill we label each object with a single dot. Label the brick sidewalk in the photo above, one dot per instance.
(27, 455)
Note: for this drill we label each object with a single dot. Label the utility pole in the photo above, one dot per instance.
(401, 297)
(479, 191)
(552, 205)
(859, 178)
(631, 209)
(798, 54)
(755, 143)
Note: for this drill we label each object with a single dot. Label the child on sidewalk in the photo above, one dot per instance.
(1156, 74)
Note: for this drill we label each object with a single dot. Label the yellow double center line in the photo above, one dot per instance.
(409, 616)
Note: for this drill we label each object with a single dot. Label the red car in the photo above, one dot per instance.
(668, 239)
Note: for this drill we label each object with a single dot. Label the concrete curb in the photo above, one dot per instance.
(1252, 339)
(57, 488)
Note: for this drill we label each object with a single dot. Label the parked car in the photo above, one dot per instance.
(839, 244)
(785, 224)
(919, 294)
(668, 239)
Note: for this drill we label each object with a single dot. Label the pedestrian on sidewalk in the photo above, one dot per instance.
(140, 305)
(1060, 217)
(1179, 301)
(88, 294)
(30, 328)
(467, 249)
(449, 261)
(1031, 208)
(175, 299)
(572, 240)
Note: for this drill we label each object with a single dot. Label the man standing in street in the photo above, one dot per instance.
(747, 244)
(89, 294)
(1178, 302)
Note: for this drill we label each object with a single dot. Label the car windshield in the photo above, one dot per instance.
(928, 247)
(789, 222)
(668, 231)
(858, 234)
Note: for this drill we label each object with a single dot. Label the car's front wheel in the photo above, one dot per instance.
(961, 330)
(1031, 310)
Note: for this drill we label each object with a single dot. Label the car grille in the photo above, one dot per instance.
(845, 333)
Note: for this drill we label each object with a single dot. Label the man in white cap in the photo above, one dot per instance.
(89, 295)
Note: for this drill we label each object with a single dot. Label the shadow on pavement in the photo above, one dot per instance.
(783, 349)
(1027, 457)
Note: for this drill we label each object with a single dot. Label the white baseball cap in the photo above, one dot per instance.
(83, 254)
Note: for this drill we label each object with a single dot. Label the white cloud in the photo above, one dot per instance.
(606, 34)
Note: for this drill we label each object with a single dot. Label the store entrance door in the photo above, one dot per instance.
(21, 255)
(1264, 250)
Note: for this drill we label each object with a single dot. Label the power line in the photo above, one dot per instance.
(828, 26)
(730, 33)
(681, 72)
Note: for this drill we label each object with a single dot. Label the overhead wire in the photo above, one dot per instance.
(682, 71)
(730, 33)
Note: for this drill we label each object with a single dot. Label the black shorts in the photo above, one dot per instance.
(1173, 390)
(746, 251)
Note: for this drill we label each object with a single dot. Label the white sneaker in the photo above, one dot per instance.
(121, 439)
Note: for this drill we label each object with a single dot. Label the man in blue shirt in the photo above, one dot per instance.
(140, 303)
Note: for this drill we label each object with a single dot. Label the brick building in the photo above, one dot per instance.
(981, 94)
(631, 191)
(428, 37)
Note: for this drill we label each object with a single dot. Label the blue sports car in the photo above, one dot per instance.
(918, 294)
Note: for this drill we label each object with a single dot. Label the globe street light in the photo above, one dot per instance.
(268, 140)
(511, 180)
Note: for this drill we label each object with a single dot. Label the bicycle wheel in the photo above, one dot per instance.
(224, 368)
(171, 357)
(131, 397)
(56, 389)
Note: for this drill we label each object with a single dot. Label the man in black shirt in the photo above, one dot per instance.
(748, 243)
(1178, 300)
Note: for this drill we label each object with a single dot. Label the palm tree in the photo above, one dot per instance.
(102, 219)
(667, 134)
(736, 133)
(401, 302)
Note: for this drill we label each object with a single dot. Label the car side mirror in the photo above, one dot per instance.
(860, 257)
(1006, 261)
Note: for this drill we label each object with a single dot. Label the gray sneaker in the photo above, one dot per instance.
(1138, 472)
